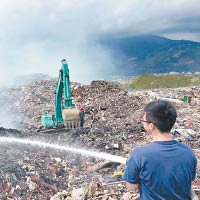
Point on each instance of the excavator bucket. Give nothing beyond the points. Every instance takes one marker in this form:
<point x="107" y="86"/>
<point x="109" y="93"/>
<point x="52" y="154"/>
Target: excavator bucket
<point x="71" y="118"/>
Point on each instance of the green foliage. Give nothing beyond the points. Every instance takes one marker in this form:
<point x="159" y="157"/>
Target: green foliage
<point x="150" y="81"/>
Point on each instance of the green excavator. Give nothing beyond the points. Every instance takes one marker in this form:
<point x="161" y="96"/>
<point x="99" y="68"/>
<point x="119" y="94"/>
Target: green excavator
<point x="65" y="113"/>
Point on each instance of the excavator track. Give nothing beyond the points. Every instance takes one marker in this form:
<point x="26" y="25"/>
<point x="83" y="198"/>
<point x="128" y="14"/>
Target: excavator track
<point x="63" y="130"/>
<point x="53" y="130"/>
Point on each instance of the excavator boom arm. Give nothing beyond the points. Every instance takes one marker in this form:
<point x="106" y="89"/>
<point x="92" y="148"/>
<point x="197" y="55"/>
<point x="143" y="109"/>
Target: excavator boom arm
<point x="66" y="84"/>
<point x="65" y="114"/>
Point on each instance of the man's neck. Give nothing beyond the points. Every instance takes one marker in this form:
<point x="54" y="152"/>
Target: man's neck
<point x="158" y="136"/>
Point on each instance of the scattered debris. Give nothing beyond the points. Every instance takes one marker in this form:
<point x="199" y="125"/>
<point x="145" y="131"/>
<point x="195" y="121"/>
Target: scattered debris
<point x="28" y="172"/>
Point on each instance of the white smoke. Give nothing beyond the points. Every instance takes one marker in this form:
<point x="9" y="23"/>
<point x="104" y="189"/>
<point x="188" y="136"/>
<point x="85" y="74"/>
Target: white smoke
<point x="36" y="35"/>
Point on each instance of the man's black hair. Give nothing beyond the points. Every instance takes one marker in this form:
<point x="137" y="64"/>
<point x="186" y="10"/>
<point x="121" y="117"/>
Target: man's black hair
<point x="162" y="114"/>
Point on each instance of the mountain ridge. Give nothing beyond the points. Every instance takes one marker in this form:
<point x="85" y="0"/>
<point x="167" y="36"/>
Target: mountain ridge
<point x="153" y="54"/>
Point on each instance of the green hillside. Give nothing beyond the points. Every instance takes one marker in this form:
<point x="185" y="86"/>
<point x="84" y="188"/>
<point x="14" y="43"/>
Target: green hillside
<point x="150" y="81"/>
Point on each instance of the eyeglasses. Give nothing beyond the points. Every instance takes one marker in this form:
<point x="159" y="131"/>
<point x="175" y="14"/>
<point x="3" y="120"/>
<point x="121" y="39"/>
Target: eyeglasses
<point x="141" y="120"/>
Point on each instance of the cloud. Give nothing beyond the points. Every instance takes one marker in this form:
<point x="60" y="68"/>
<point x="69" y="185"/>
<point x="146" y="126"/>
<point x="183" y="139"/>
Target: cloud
<point x="43" y="20"/>
<point x="36" y="35"/>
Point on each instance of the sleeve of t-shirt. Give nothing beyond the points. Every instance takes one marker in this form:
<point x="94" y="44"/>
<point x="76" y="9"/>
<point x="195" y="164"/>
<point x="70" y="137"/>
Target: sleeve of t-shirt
<point x="194" y="169"/>
<point x="131" y="174"/>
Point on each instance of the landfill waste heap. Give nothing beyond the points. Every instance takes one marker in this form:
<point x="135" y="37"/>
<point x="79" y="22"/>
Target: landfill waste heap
<point x="34" y="173"/>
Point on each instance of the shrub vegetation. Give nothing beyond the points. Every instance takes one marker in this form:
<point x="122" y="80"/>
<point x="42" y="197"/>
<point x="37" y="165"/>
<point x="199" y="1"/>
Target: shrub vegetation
<point x="150" y="81"/>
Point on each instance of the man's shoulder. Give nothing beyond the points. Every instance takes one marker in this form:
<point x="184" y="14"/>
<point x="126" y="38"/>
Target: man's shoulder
<point x="154" y="147"/>
<point x="142" y="149"/>
<point x="145" y="147"/>
<point x="185" y="147"/>
<point x="158" y="144"/>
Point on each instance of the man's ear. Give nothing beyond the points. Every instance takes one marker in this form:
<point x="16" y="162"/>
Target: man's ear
<point x="152" y="126"/>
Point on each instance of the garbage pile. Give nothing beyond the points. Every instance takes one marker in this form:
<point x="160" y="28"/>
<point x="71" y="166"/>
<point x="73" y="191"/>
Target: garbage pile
<point x="112" y="106"/>
<point x="187" y="127"/>
<point x="29" y="172"/>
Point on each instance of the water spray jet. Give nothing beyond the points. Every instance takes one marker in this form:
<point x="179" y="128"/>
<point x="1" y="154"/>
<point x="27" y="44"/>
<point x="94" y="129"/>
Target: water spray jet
<point x="101" y="155"/>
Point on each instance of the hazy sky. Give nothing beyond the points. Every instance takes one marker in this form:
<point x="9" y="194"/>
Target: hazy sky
<point x="36" y="35"/>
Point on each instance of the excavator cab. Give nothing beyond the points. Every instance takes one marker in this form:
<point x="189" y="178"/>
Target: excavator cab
<point x="66" y="113"/>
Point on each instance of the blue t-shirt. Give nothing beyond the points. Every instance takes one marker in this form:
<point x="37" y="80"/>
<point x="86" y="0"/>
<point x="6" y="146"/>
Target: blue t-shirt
<point x="164" y="170"/>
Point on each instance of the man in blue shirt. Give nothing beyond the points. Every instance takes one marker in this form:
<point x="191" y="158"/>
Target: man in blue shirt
<point x="165" y="168"/>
